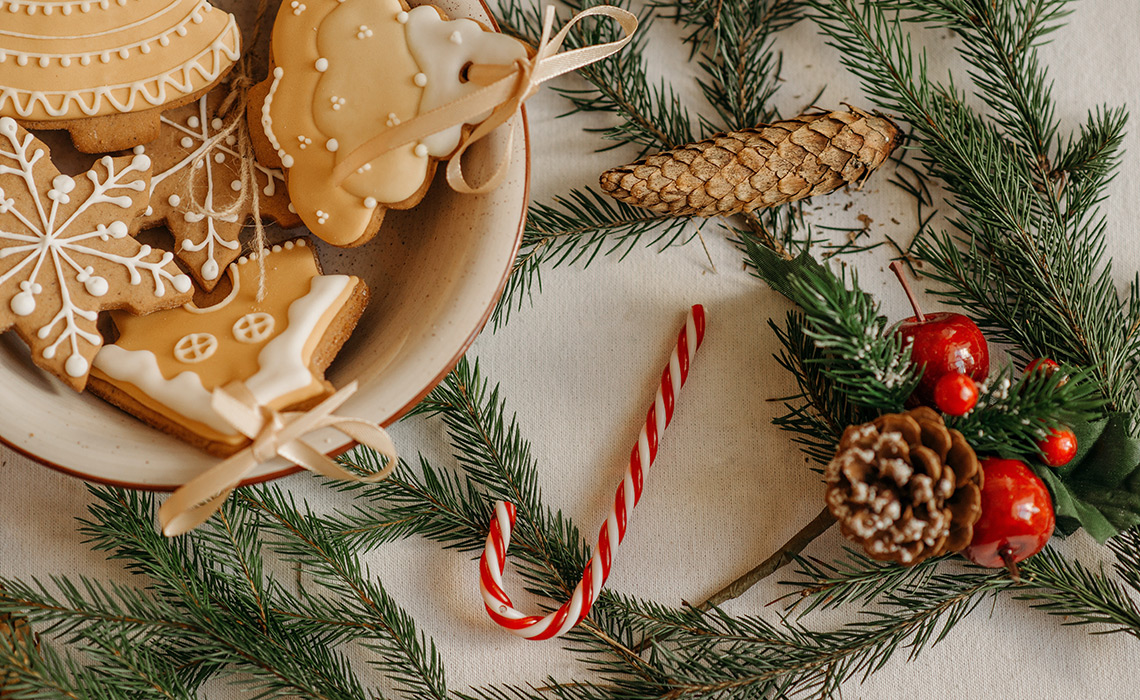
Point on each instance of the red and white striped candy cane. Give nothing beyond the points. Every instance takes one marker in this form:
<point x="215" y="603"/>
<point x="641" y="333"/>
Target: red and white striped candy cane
<point x="491" y="565"/>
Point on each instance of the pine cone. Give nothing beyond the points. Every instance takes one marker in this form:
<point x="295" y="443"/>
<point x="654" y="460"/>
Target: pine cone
<point x="905" y="487"/>
<point x="16" y="630"/>
<point x="760" y="167"/>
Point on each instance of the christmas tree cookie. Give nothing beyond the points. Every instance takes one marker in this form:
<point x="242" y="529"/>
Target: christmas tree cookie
<point x="66" y="252"/>
<point x="164" y="367"/>
<point x="192" y="167"/>
<point x="104" y="69"/>
<point x="344" y="71"/>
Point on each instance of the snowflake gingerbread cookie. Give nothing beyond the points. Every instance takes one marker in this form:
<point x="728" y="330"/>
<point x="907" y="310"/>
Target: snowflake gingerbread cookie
<point x="66" y="252"/>
<point x="164" y="367"/>
<point x="345" y="70"/>
<point x="192" y="167"/>
<point x="104" y="69"/>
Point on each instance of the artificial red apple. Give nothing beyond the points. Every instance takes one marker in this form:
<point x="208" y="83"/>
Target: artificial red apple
<point x="941" y="343"/>
<point x="1017" y="515"/>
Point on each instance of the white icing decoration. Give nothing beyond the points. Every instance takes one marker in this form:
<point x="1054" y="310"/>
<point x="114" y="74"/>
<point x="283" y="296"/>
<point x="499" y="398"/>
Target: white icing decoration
<point x="402" y="17"/>
<point x="322" y="217"/>
<point x="50" y="246"/>
<point x="199" y="70"/>
<point x="282" y="368"/>
<point x="393" y="120"/>
<point x="253" y="327"/>
<point x="421" y="150"/>
<point x="267" y="118"/>
<point x="420" y="79"/>
<point x="370" y="202"/>
<point x="332" y="145"/>
<point x="321" y="65"/>
<point x="195" y="347"/>
<point x="298" y="7"/>
<point x="202" y="135"/>
<point x="184" y="394"/>
<point x="337" y="102"/>
<point x="432" y="42"/>
<point x="363" y="32"/>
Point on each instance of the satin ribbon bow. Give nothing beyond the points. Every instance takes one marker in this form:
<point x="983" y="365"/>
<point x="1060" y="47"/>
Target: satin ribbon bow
<point x="274" y="434"/>
<point x="502" y="98"/>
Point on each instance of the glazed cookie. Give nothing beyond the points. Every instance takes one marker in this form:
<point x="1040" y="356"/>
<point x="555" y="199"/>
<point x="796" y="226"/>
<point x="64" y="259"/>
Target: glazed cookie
<point x="164" y="367"/>
<point x="104" y="69"/>
<point x="66" y="252"/>
<point x="345" y="70"/>
<point x="186" y="154"/>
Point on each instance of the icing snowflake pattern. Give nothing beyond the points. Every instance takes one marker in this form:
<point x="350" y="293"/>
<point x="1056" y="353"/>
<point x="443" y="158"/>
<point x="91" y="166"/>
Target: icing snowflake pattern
<point x="206" y="244"/>
<point x="66" y="252"/>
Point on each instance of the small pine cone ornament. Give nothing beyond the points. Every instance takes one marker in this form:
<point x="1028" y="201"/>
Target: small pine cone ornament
<point x="905" y="486"/>
<point x="765" y="166"/>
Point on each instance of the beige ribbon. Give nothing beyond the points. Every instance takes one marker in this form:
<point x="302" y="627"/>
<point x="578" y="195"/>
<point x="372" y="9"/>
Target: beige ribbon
<point x="502" y="98"/>
<point x="274" y="434"/>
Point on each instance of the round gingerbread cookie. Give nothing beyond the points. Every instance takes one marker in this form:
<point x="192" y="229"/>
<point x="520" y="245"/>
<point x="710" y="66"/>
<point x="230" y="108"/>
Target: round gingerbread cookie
<point x="105" y="69"/>
<point x="342" y="72"/>
<point x="193" y="167"/>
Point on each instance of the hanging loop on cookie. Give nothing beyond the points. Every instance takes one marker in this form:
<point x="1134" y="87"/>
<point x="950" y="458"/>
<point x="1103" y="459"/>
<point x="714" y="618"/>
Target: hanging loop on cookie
<point x="505" y="90"/>
<point x="274" y="434"/>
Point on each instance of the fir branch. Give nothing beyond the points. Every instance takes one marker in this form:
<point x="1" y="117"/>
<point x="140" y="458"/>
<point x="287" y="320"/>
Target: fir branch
<point x="869" y="365"/>
<point x="1012" y="417"/>
<point x="734" y="39"/>
<point x="1026" y="260"/>
<point x="652" y="115"/>
<point x="574" y="230"/>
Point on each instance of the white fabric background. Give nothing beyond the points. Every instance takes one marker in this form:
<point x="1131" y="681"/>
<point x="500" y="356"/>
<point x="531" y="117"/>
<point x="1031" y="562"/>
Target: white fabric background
<point x="580" y="367"/>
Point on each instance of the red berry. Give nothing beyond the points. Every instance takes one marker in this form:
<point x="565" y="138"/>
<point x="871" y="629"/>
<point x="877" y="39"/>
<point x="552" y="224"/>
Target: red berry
<point x="1017" y="515"/>
<point x="955" y="394"/>
<point x="1044" y="364"/>
<point x="945" y="343"/>
<point x="942" y="344"/>
<point x="1059" y="448"/>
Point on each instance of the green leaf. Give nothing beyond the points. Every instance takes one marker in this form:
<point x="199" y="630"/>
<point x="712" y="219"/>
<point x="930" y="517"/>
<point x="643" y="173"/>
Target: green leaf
<point x="778" y="271"/>
<point x="1100" y="489"/>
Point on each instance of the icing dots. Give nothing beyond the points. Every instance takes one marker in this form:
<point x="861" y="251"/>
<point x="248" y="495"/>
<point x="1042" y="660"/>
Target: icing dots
<point x="67" y="238"/>
<point x="171" y="361"/>
<point x="190" y="159"/>
<point x="154" y="54"/>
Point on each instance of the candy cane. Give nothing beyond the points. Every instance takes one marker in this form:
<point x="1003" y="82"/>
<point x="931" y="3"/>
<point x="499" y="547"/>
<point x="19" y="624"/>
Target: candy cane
<point x="493" y="561"/>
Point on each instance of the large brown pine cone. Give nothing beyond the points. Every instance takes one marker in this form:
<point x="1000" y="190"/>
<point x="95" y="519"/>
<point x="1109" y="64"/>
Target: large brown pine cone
<point x="760" y="167"/>
<point x="905" y="486"/>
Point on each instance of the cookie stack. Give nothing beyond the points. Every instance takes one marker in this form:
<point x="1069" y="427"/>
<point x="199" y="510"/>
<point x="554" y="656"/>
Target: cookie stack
<point x="144" y="83"/>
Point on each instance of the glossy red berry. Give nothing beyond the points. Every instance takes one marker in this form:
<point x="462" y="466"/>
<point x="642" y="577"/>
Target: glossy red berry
<point x="1017" y="515"/>
<point x="1059" y="448"/>
<point x="942" y="343"/>
<point x="1044" y="364"/>
<point x="955" y="394"/>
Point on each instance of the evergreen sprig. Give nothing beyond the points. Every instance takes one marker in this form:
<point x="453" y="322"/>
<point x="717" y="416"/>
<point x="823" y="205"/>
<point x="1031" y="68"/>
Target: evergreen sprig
<point x="1014" y="415"/>
<point x="1026" y="256"/>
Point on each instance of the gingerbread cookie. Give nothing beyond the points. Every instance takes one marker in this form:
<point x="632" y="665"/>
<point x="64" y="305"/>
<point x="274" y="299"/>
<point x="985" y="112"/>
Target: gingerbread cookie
<point x="164" y="367"/>
<point x="344" y="70"/>
<point x="66" y="252"/>
<point x="187" y="154"/>
<point x="104" y="69"/>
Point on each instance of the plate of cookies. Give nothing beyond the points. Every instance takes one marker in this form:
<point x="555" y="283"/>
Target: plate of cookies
<point x="173" y="221"/>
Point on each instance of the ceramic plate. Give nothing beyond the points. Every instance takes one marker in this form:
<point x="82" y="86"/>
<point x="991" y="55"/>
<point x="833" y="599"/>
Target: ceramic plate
<point x="435" y="273"/>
